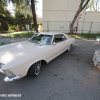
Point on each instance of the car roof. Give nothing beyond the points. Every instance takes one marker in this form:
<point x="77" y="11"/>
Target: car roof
<point x="51" y="33"/>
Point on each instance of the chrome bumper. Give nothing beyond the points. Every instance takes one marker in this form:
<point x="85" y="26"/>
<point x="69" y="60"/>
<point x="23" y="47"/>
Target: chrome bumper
<point x="7" y="79"/>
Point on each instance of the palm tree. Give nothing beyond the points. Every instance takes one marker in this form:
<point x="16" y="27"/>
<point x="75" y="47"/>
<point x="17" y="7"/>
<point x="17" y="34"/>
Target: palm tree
<point x="34" y="15"/>
<point x="25" y="7"/>
<point x="3" y="14"/>
<point x="3" y="10"/>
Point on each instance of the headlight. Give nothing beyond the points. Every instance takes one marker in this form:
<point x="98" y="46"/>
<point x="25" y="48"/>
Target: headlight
<point x="9" y="73"/>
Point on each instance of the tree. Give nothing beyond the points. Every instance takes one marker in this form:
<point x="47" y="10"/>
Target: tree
<point x="4" y="25"/>
<point x="93" y="5"/>
<point x="24" y="6"/>
<point x="3" y="14"/>
<point x="3" y="9"/>
<point x="82" y="5"/>
<point x="90" y="5"/>
<point x="34" y="15"/>
<point x="21" y="20"/>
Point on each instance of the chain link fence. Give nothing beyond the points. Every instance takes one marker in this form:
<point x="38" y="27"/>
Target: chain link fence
<point x="79" y="27"/>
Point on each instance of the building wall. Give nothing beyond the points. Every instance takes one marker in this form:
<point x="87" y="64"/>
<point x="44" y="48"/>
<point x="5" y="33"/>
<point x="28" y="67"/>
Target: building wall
<point x="58" y="14"/>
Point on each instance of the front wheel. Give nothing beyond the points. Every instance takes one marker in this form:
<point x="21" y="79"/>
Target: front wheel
<point x="34" y="70"/>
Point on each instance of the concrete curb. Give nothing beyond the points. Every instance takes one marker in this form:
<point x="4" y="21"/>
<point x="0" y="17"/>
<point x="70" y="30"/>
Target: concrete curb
<point x="96" y="59"/>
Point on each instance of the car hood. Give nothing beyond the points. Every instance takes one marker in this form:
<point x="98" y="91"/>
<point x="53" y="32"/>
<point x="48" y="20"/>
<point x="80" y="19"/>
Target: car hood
<point x="15" y="50"/>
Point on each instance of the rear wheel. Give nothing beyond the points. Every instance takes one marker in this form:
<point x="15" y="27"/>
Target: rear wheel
<point x="34" y="70"/>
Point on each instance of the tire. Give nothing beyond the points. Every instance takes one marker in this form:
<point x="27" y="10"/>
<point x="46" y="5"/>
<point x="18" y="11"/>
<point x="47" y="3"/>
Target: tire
<point x="34" y="70"/>
<point x="69" y="48"/>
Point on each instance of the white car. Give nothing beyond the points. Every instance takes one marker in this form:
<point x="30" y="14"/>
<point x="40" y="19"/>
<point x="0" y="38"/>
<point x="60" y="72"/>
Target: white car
<point x="25" y="58"/>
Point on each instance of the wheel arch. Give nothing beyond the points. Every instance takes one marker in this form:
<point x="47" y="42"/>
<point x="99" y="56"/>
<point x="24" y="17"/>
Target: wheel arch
<point x="69" y="46"/>
<point x="42" y="62"/>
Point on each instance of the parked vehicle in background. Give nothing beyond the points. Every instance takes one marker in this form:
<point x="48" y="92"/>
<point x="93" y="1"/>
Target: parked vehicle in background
<point x="98" y="38"/>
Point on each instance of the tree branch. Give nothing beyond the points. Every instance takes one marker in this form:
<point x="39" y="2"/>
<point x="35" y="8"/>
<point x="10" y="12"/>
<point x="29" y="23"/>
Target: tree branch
<point x="85" y="4"/>
<point x="81" y="3"/>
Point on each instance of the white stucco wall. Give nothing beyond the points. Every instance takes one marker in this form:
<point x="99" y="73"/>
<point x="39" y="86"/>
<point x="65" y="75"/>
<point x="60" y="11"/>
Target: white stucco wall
<point x="58" y="14"/>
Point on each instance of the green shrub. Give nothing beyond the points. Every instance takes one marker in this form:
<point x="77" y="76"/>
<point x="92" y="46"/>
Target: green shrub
<point x="12" y="27"/>
<point x="1" y="27"/>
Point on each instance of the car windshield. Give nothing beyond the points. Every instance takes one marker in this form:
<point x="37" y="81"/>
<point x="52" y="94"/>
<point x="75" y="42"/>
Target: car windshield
<point x="41" y="39"/>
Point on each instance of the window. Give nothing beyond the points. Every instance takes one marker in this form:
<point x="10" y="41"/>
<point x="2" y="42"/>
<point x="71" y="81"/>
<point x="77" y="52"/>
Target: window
<point x="59" y="38"/>
<point x="42" y="39"/>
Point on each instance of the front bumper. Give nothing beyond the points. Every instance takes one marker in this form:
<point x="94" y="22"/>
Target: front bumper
<point x="7" y="79"/>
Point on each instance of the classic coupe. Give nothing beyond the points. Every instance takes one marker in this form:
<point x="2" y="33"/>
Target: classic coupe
<point x="25" y="58"/>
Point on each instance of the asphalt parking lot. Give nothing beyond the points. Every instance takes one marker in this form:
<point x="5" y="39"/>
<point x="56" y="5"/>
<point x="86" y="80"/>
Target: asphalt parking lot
<point x="71" y="76"/>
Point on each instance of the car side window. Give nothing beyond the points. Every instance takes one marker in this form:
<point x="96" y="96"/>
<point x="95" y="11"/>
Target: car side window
<point x="59" y="38"/>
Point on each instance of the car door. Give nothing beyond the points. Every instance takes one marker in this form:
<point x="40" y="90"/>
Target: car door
<point x="59" y="44"/>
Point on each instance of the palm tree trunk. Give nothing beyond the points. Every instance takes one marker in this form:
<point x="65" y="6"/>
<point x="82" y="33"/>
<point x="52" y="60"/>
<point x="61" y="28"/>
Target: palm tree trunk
<point x="34" y="16"/>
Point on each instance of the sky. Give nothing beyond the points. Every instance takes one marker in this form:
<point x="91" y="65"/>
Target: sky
<point x="38" y="11"/>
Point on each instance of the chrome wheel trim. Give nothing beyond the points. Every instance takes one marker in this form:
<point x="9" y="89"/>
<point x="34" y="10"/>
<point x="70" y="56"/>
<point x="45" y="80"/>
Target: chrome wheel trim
<point x="37" y="68"/>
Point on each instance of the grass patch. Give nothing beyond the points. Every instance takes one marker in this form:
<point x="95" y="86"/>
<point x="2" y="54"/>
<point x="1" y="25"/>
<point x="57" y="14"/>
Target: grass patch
<point x="79" y="36"/>
<point x="23" y="34"/>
